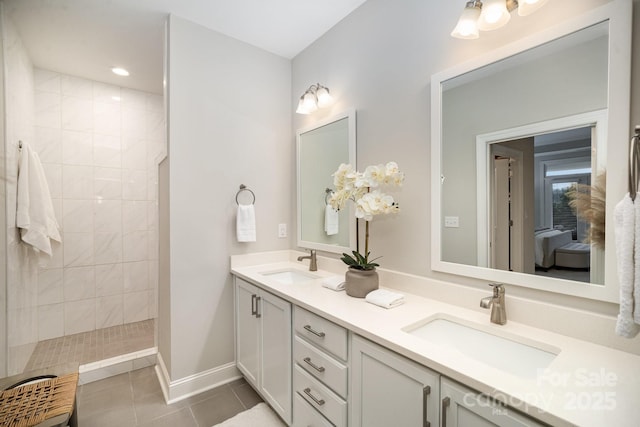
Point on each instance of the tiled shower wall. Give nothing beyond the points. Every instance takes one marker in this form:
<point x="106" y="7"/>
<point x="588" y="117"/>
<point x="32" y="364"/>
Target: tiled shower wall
<point x="99" y="145"/>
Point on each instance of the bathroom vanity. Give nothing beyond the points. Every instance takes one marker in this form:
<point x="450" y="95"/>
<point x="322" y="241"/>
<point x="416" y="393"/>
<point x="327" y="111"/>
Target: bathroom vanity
<point x="324" y="359"/>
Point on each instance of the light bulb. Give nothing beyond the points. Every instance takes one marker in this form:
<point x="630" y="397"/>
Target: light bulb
<point x="527" y="7"/>
<point x="324" y="97"/>
<point x="309" y="102"/>
<point x="467" y="26"/>
<point x="494" y="15"/>
<point x="301" y="109"/>
<point x="120" y="71"/>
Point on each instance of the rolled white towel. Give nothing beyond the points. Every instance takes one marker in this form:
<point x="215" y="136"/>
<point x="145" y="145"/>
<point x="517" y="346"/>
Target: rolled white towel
<point x="624" y="227"/>
<point x="335" y="283"/>
<point x="385" y="298"/>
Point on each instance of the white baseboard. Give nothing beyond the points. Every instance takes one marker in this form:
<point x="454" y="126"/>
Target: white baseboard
<point x="182" y="388"/>
<point x="106" y="368"/>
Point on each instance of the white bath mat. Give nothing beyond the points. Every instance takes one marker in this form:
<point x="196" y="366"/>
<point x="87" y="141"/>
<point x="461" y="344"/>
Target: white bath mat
<point x="260" y="415"/>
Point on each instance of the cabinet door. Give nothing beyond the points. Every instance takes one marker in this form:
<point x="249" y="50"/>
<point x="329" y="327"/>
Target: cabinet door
<point x="390" y="390"/>
<point x="276" y="387"/>
<point x="247" y="331"/>
<point x="463" y="407"/>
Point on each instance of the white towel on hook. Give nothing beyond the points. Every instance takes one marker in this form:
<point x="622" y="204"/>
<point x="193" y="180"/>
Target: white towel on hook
<point x="385" y="298"/>
<point x="636" y="260"/>
<point x="625" y="221"/>
<point x="246" y="223"/>
<point x="331" y="221"/>
<point x="35" y="216"/>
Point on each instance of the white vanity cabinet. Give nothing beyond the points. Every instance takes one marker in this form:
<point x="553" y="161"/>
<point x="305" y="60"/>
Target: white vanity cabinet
<point x="263" y="344"/>
<point x="320" y="377"/>
<point x="463" y="407"/>
<point x="390" y="390"/>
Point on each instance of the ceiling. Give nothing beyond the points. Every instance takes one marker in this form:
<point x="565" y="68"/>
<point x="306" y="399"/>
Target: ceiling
<point x="87" y="37"/>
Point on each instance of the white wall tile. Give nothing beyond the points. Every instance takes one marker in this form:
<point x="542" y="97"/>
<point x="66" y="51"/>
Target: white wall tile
<point x="107" y="183"/>
<point x="108" y="215"/>
<point x="106" y="93"/>
<point x="53" y="172"/>
<point x="106" y="118"/>
<point x="134" y="216"/>
<point x="76" y="87"/>
<point x="48" y="144"/>
<point x="134" y="122"/>
<point x="152" y="244"/>
<point x="155" y="126"/>
<point x="79" y="316"/>
<point x="153" y="303"/>
<point x="77" y="148"/>
<point x="107" y="151"/>
<point x="134" y="184"/>
<point x="77" y="215"/>
<point x="135" y="246"/>
<point x="77" y="182"/>
<point x="108" y="248"/>
<point x="136" y="306"/>
<point x="79" y="283"/>
<point x="109" y="279"/>
<point x="134" y="153"/>
<point x="78" y="249"/>
<point x="155" y="102"/>
<point x="109" y="311"/>
<point x="134" y="98"/>
<point x="50" y="286"/>
<point x="50" y="321"/>
<point x="77" y="114"/>
<point x="136" y="276"/>
<point x="48" y="110"/>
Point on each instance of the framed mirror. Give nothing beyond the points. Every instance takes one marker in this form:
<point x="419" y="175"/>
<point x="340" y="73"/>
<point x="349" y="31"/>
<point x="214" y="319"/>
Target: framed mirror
<point x="512" y="134"/>
<point x="321" y="148"/>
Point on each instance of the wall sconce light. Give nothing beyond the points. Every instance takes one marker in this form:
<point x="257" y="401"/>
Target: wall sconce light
<point x="487" y="15"/>
<point x="317" y="96"/>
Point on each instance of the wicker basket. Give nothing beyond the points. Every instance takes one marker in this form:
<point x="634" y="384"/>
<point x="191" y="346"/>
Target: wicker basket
<point x="29" y="405"/>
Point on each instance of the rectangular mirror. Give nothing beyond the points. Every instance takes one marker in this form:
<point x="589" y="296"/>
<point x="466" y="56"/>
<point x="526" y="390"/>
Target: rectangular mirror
<point x="512" y="134"/>
<point x="321" y="148"/>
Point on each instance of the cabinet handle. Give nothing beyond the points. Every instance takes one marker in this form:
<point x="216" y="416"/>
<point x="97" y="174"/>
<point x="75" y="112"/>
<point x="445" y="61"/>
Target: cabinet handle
<point x="307" y="391"/>
<point x="426" y="391"/>
<point x="316" y="333"/>
<point x="445" y="404"/>
<point x="254" y="309"/>
<point x="258" y="314"/>
<point x="308" y="361"/>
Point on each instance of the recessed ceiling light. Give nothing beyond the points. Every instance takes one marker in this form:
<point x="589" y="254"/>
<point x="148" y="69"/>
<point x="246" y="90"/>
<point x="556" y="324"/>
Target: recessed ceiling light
<point x="120" y="71"/>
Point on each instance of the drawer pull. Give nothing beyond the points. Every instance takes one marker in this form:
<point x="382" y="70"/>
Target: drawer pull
<point x="258" y="314"/>
<point x="308" y="361"/>
<point x="426" y="391"/>
<point x="307" y="391"/>
<point x="254" y="306"/>
<point x="445" y="404"/>
<point x="316" y="333"/>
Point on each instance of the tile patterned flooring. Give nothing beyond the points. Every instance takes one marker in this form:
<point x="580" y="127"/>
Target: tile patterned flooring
<point x="93" y="346"/>
<point x="134" y="399"/>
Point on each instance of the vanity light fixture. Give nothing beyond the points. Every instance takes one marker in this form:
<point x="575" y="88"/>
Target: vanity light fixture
<point x="487" y="15"/>
<point x="317" y="96"/>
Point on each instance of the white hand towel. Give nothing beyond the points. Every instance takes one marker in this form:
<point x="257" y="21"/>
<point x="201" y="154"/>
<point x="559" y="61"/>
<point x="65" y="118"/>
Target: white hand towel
<point x="246" y="223"/>
<point x="636" y="261"/>
<point x="335" y="283"/>
<point x="331" y="221"/>
<point x="624" y="222"/>
<point x="35" y="216"/>
<point x="385" y="298"/>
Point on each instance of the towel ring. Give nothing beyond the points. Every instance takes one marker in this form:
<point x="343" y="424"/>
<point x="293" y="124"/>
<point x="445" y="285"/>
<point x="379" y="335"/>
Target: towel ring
<point x="328" y="192"/>
<point x="634" y="163"/>
<point x="244" y="188"/>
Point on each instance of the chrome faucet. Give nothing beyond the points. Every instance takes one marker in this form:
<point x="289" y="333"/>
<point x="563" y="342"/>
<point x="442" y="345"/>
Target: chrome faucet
<point x="496" y="302"/>
<point x="313" y="262"/>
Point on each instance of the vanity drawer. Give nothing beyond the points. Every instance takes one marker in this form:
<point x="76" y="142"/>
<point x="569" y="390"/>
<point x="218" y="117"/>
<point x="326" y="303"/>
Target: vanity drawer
<point x="322" y="366"/>
<point x="305" y="416"/>
<point x="321" y="332"/>
<point x="320" y="397"/>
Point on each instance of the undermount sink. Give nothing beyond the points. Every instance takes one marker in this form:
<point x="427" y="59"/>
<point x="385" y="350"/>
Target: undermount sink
<point x="290" y="277"/>
<point x="516" y="355"/>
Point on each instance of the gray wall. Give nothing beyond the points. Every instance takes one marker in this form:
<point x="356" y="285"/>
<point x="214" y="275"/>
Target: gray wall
<point x="379" y="60"/>
<point x="229" y="124"/>
<point x="3" y="219"/>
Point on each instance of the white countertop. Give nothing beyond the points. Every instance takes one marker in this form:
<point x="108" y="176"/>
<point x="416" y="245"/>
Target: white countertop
<point x="585" y="385"/>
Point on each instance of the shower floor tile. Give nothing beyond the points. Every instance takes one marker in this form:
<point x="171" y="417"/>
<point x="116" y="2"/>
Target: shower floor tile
<point x="93" y="346"/>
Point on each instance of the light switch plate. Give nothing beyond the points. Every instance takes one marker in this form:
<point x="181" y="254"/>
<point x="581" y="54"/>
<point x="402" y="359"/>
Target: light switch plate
<point x="282" y="230"/>
<point x="451" y="222"/>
